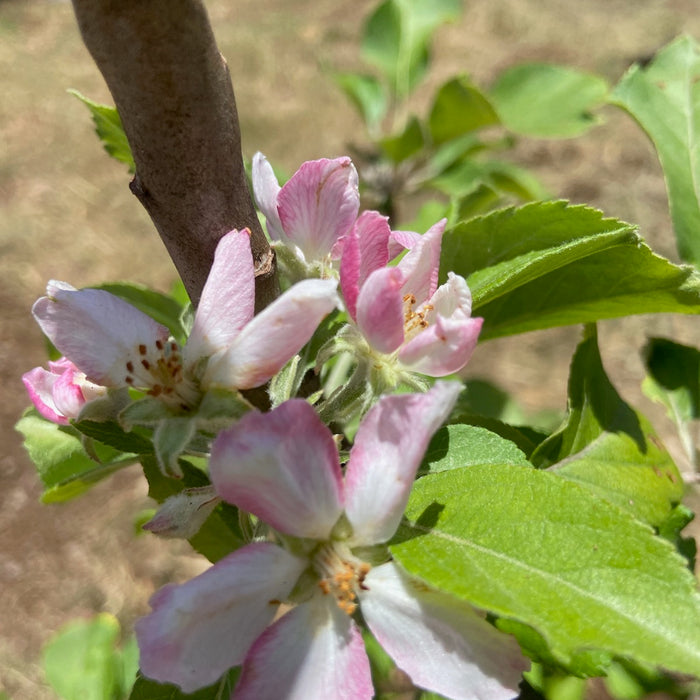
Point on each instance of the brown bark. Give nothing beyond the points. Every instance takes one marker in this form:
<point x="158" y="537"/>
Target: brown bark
<point x="174" y="95"/>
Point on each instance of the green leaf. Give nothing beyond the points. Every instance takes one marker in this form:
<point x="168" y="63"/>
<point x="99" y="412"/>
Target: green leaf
<point x="536" y="549"/>
<point x="82" y="661"/>
<point x="108" y="126"/>
<point x="406" y="144"/>
<point x="397" y="35"/>
<point x="457" y="446"/>
<point x="547" y="101"/>
<point x="673" y="379"/>
<point x="146" y="689"/>
<point x="459" y="108"/>
<point x="366" y="94"/>
<point x="664" y="98"/>
<point x="160" y="307"/>
<point x="549" y="264"/>
<point x="607" y="447"/>
<point x="111" y="433"/>
<point x="61" y="459"/>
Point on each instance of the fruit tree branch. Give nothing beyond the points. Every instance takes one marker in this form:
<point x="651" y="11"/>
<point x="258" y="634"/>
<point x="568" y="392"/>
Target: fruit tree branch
<point x="173" y="92"/>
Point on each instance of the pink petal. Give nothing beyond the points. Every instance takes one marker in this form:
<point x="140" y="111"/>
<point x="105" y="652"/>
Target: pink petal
<point x="319" y="204"/>
<point x="380" y="312"/>
<point x="421" y="265"/>
<point x="443" y="348"/>
<point x="98" y="331"/>
<point x="68" y="394"/>
<point x="443" y="645"/>
<point x="388" y="449"/>
<point x="314" y="651"/>
<point x="283" y="467"/>
<point x="200" y="629"/>
<point x="365" y="249"/>
<point x="402" y="240"/>
<point x="274" y="336"/>
<point x="265" y="189"/>
<point x="228" y="298"/>
<point x="39" y="384"/>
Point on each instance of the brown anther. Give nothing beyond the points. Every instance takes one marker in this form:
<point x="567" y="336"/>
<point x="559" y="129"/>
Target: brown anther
<point x="159" y="344"/>
<point x="130" y="366"/>
<point x="157" y="390"/>
<point x="146" y="364"/>
<point x="142" y="349"/>
<point x="129" y="380"/>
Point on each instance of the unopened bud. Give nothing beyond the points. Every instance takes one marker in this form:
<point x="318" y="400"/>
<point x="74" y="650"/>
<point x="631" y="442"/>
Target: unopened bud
<point x="184" y="513"/>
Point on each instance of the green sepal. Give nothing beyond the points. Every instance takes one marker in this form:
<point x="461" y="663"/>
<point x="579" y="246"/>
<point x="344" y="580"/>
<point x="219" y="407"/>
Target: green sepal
<point x="170" y="439"/>
<point x="147" y="412"/>
<point x="219" y="408"/>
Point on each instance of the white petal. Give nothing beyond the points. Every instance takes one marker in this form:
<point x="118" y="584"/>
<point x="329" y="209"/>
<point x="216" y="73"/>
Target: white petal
<point x="314" y="652"/>
<point x="200" y="629"/>
<point x="388" y="449"/>
<point x="99" y="332"/>
<point x="228" y="298"/>
<point x="265" y="189"/>
<point x="443" y="645"/>
<point x="283" y="467"/>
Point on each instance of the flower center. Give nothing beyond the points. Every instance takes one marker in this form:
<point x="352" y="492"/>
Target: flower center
<point x="341" y="574"/>
<point x="414" y="320"/>
<point x="161" y="373"/>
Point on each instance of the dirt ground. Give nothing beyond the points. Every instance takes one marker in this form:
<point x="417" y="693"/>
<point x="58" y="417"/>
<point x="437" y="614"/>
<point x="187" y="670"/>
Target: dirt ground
<point x="66" y="213"/>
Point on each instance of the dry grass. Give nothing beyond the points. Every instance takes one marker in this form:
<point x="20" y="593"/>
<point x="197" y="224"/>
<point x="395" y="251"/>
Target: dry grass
<point x="67" y="213"/>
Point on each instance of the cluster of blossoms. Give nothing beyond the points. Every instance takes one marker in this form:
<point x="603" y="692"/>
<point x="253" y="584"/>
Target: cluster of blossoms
<point x="286" y="606"/>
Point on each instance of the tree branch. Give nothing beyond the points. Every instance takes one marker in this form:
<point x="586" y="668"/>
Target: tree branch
<point x="174" y="95"/>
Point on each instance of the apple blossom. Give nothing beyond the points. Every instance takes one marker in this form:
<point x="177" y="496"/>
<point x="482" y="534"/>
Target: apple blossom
<point x="404" y="322"/>
<point x="328" y="557"/>
<point x="311" y="213"/>
<point x="114" y="344"/>
<point x="60" y="392"/>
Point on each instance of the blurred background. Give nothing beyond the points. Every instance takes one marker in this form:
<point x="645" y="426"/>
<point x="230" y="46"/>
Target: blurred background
<point x="66" y="213"/>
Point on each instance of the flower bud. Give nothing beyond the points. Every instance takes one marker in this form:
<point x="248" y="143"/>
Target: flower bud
<point x="184" y="513"/>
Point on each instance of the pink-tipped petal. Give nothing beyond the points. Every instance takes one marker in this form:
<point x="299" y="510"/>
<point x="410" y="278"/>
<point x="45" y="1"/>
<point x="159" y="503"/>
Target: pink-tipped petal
<point x="319" y="204"/>
<point x="96" y="330"/>
<point x="265" y="189"/>
<point x="283" y="467"/>
<point x="443" y="645"/>
<point x="380" y="310"/>
<point x="68" y="393"/>
<point x="39" y="384"/>
<point x="274" y="336"/>
<point x="228" y="298"/>
<point x="200" y="629"/>
<point x="443" y="348"/>
<point x="350" y="262"/>
<point x="388" y="449"/>
<point x="421" y="265"/>
<point x="402" y="240"/>
<point x="313" y="652"/>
